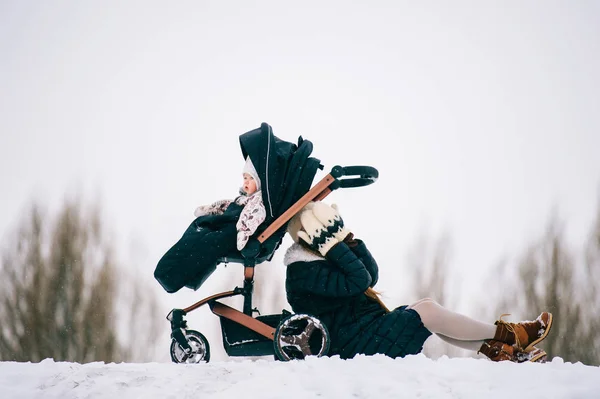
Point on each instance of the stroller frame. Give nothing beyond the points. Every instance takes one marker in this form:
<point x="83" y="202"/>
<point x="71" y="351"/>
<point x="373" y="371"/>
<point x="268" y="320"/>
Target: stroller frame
<point x="187" y="345"/>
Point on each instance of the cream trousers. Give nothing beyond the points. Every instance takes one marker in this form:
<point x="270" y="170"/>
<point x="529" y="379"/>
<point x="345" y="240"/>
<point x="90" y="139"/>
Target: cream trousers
<point x="452" y="327"/>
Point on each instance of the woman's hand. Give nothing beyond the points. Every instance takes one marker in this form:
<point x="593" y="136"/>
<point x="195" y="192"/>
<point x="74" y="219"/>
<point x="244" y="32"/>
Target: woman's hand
<point x="322" y="227"/>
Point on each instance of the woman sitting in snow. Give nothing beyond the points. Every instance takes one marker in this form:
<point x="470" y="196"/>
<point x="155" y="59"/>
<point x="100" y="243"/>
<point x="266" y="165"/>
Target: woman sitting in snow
<point x="330" y="275"/>
<point x="219" y="230"/>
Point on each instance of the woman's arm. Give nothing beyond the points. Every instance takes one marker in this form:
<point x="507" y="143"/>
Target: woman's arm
<point x="340" y="274"/>
<point x="360" y="250"/>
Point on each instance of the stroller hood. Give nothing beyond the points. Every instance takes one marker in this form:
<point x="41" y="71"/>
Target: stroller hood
<point x="285" y="170"/>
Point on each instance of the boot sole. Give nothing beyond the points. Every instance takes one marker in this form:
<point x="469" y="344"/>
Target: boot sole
<point x="539" y="358"/>
<point x="530" y="347"/>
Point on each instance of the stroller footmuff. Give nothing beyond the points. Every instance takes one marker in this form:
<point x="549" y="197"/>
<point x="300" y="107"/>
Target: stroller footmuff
<point x="287" y="171"/>
<point x="196" y="255"/>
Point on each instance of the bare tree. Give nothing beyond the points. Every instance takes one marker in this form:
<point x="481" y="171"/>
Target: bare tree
<point x="140" y="319"/>
<point x="549" y="279"/>
<point x="429" y="265"/>
<point x="58" y="297"/>
<point x="589" y="341"/>
<point x="429" y="268"/>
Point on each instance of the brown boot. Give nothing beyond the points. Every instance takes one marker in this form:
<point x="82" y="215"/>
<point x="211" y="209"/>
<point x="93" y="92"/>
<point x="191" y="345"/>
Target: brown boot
<point x="524" y="335"/>
<point x="499" y="351"/>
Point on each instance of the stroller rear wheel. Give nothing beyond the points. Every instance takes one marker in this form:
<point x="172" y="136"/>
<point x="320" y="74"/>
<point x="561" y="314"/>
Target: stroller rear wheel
<point x="300" y="335"/>
<point x="200" y="349"/>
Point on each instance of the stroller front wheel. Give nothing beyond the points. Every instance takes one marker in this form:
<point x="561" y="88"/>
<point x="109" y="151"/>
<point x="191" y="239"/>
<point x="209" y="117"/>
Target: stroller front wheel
<point x="200" y="350"/>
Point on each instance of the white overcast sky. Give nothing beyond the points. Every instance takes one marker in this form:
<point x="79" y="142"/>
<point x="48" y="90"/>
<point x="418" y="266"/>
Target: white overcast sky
<point x="481" y="116"/>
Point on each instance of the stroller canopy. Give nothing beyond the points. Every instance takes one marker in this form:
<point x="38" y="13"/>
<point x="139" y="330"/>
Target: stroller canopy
<point x="286" y="170"/>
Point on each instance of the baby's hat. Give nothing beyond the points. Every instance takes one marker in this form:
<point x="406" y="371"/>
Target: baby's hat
<point x="249" y="168"/>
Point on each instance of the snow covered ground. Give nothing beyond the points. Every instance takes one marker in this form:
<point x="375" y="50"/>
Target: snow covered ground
<point x="362" y="377"/>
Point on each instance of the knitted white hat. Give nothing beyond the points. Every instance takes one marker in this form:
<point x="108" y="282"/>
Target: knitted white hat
<point x="249" y="168"/>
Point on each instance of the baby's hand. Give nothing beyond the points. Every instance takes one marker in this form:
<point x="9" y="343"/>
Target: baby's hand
<point x="216" y="208"/>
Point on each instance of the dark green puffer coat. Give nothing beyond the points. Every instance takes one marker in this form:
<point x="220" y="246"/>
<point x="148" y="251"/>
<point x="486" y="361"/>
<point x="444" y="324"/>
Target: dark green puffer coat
<point x="332" y="289"/>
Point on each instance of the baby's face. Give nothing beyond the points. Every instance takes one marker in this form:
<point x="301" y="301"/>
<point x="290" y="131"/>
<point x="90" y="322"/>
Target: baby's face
<point x="249" y="186"/>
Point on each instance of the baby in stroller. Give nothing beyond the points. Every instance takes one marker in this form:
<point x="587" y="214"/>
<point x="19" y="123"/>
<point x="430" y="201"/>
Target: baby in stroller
<point x="253" y="212"/>
<point x="219" y="229"/>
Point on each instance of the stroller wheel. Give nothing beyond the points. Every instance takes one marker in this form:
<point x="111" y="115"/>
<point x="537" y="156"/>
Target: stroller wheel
<point x="300" y="335"/>
<point x="200" y="349"/>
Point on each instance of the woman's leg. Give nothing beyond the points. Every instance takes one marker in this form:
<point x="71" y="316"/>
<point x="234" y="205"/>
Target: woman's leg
<point x="418" y="302"/>
<point x="467" y="333"/>
<point x="442" y="321"/>
<point x="468" y="345"/>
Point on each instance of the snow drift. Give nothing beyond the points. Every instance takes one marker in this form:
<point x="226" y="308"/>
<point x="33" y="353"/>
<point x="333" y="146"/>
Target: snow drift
<point x="362" y="377"/>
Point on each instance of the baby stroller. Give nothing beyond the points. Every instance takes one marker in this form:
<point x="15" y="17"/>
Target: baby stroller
<point x="287" y="171"/>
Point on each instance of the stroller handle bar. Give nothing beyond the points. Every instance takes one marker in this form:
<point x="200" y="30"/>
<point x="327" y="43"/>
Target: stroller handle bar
<point x="364" y="175"/>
